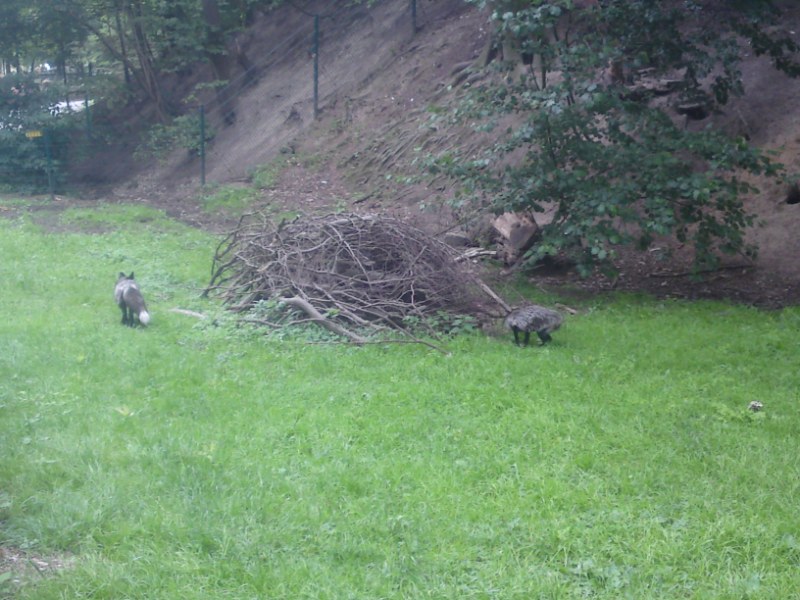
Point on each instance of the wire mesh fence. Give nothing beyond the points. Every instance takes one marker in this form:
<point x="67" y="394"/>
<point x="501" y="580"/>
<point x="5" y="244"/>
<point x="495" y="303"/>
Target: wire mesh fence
<point x="41" y="134"/>
<point x="327" y="37"/>
<point x="39" y="156"/>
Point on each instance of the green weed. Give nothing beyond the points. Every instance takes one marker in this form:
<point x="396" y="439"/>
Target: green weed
<point x="183" y="132"/>
<point x="229" y="199"/>
<point x="266" y="176"/>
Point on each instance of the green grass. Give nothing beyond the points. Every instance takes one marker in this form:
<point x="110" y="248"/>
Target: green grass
<point x="266" y="176"/>
<point x="193" y="459"/>
<point x="228" y="199"/>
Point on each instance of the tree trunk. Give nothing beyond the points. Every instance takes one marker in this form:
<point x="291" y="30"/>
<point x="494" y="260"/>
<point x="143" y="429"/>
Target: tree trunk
<point x="122" y="46"/>
<point x="144" y="54"/>
<point x="220" y="59"/>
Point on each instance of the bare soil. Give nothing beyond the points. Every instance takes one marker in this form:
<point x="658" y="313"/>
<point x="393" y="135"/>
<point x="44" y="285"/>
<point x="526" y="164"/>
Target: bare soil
<point x="23" y="565"/>
<point x="377" y="82"/>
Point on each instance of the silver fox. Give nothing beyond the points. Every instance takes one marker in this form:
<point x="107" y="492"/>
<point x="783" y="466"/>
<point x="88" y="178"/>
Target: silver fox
<point x="130" y="301"/>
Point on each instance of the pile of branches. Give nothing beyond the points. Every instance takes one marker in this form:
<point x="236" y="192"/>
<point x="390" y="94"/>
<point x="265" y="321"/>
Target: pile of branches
<point x="347" y="272"/>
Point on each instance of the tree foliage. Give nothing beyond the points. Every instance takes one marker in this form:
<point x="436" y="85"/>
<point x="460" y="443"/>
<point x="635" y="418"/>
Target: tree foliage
<point x="34" y="134"/>
<point x="139" y="40"/>
<point x="132" y="43"/>
<point x="591" y="143"/>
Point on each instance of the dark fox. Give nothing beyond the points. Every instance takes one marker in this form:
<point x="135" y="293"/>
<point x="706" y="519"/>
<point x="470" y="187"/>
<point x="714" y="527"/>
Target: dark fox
<point x="130" y="301"/>
<point x="543" y="321"/>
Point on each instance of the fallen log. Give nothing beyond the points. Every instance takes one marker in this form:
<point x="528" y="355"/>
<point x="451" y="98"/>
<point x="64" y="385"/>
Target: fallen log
<point x="318" y="318"/>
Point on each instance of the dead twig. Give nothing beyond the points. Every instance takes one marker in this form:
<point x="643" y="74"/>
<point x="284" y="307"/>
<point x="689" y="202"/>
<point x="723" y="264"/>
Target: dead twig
<point x="475" y="253"/>
<point x="188" y="313"/>
<point x="666" y="275"/>
<point x="492" y="294"/>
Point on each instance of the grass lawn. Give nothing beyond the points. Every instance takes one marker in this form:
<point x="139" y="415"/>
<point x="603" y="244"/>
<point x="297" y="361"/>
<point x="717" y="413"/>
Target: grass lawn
<point x="194" y="459"/>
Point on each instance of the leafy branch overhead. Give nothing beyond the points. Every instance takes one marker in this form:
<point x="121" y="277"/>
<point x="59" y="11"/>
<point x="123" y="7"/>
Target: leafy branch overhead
<point x="598" y="95"/>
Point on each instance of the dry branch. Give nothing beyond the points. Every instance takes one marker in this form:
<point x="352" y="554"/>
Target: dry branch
<point x="188" y="313"/>
<point x="318" y="318"/>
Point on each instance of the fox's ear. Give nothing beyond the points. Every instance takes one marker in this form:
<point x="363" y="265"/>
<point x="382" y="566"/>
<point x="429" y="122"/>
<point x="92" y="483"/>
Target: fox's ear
<point x="131" y="275"/>
<point x="121" y="275"/>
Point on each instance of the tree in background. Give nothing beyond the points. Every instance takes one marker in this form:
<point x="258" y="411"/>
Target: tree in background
<point x="12" y="34"/>
<point x="592" y="144"/>
<point x="35" y="31"/>
<point x="140" y="40"/>
<point x="135" y="46"/>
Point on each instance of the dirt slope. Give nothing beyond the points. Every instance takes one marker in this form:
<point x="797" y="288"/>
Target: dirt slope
<point x="377" y="81"/>
<point x="373" y="70"/>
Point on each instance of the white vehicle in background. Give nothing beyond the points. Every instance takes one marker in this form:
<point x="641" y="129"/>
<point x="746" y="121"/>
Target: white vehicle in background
<point x="72" y="106"/>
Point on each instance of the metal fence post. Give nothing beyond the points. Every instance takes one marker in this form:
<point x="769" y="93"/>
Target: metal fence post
<point x="88" y="115"/>
<point x="202" y="145"/>
<point x="48" y="150"/>
<point x="316" y="66"/>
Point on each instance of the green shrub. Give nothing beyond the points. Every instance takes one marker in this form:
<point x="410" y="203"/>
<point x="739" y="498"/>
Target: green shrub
<point x="229" y="199"/>
<point x="183" y="132"/>
<point x="265" y="177"/>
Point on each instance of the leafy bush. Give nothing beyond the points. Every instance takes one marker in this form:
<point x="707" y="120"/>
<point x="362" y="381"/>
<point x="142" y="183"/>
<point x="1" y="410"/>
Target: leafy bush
<point x="183" y="132"/>
<point x="34" y="137"/>
<point x="589" y="144"/>
<point x="265" y="177"/>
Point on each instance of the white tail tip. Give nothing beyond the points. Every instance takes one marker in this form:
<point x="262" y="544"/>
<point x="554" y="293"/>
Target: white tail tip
<point x="144" y="317"/>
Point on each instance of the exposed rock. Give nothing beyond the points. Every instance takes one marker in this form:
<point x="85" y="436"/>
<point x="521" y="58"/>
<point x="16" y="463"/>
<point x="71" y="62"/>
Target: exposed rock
<point x="519" y="232"/>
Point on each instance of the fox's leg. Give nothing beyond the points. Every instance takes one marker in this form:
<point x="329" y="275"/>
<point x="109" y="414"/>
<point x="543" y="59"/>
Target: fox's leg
<point x="124" y="314"/>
